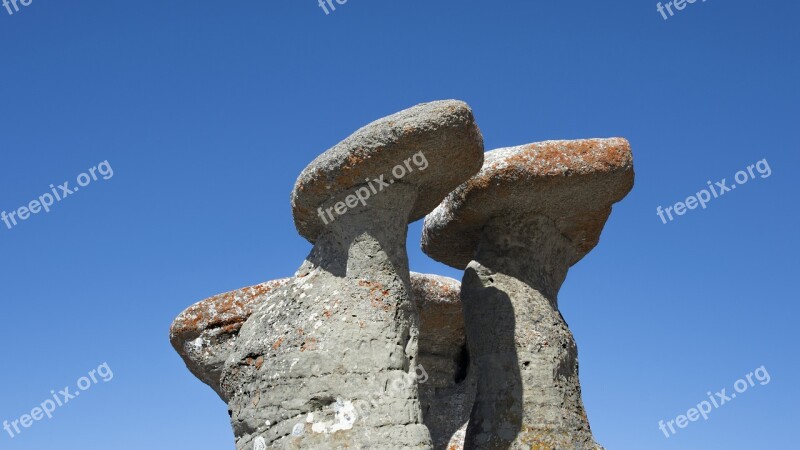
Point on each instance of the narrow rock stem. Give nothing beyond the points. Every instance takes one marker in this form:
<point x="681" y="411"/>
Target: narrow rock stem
<point x="525" y="356"/>
<point x="337" y="347"/>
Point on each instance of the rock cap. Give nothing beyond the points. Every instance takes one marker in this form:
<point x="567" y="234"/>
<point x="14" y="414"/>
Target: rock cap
<point x="574" y="183"/>
<point x="443" y="132"/>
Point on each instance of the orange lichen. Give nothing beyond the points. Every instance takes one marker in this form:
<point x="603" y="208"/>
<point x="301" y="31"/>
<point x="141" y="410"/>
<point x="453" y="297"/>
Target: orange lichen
<point x="379" y="296"/>
<point x="227" y="311"/>
<point x="309" y="344"/>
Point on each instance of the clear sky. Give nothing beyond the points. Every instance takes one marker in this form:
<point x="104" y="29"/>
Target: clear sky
<point x="207" y="111"/>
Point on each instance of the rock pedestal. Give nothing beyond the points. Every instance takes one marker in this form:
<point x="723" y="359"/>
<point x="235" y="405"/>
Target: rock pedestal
<point x="204" y="335"/>
<point x="529" y="394"/>
<point x="343" y="332"/>
<point x="330" y="361"/>
<point x="516" y="227"/>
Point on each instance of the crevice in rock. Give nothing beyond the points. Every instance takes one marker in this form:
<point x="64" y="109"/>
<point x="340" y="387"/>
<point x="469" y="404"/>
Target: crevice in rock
<point x="462" y="364"/>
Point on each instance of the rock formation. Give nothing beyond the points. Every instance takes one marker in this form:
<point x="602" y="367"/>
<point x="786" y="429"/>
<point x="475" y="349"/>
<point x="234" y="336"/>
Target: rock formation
<point x="204" y="335"/>
<point x="344" y="329"/>
<point x="205" y="332"/>
<point x="517" y="227"/>
<point x="354" y="351"/>
<point x="449" y="391"/>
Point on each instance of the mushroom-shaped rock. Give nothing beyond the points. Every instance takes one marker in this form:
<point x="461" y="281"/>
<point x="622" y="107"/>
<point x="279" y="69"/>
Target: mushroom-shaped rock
<point x="395" y="149"/>
<point x="344" y="332"/>
<point x="204" y="334"/>
<point x="447" y="387"/>
<point x="517" y="226"/>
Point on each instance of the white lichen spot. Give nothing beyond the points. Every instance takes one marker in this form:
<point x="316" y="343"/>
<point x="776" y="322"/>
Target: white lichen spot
<point x="298" y="429"/>
<point x="260" y="444"/>
<point x="344" y="418"/>
<point x="198" y="344"/>
<point x="212" y="311"/>
<point x="318" y="324"/>
<point x="310" y="418"/>
<point x="268" y="424"/>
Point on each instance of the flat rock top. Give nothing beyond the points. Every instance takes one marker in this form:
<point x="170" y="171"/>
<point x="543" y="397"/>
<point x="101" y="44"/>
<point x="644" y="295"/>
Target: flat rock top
<point x="444" y="131"/>
<point x="438" y="300"/>
<point x="429" y="289"/>
<point x="572" y="182"/>
<point x="226" y="311"/>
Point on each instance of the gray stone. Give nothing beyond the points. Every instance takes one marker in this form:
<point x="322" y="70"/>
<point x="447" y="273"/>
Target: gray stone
<point x="517" y="227"/>
<point x="449" y="388"/>
<point x="331" y="360"/>
<point x="204" y="335"/>
<point x="444" y="131"/>
<point x="573" y="182"/>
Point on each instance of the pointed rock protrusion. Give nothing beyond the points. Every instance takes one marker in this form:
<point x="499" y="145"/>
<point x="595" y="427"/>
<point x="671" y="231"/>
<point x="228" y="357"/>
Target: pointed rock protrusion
<point x="204" y="334"/>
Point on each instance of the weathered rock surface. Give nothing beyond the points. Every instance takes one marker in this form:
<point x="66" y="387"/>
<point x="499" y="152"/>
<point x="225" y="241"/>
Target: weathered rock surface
<point x="517" y="227"/>
<point x="309" y="364"/>
<point x="572" y="182"/>
<point x="355" y="352"/>
<point x="449" y="391"/>
<point x="204" y="334"/>
<point x="444" y="131"/>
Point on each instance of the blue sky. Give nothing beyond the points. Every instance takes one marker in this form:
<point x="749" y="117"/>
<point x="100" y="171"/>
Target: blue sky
<point x="207" y="112"/>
